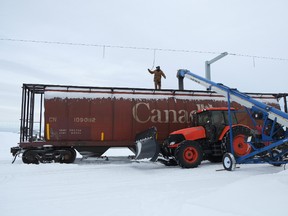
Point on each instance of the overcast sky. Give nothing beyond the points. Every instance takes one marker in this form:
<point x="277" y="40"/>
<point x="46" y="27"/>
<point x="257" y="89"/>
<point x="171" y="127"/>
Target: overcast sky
<point x="244" y="27"/>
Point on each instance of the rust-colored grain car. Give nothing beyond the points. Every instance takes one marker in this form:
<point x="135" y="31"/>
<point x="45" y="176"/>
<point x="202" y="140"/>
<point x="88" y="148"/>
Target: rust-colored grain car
<point x="57" y="120"/>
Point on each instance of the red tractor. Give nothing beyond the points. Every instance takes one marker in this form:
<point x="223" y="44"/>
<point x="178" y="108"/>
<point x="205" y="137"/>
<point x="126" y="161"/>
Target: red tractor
<point x="208" y="139"/>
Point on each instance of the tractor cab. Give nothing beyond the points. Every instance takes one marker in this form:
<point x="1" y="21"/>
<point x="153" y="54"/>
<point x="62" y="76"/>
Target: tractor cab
<point x="213" y="116"/>
<point x="214" y="120"/>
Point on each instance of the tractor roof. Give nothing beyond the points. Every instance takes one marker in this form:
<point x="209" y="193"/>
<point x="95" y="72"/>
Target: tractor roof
<point x="215" y="109"/>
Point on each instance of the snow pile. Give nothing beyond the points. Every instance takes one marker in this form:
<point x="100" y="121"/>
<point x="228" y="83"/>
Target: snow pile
<point x="123" y="187"/>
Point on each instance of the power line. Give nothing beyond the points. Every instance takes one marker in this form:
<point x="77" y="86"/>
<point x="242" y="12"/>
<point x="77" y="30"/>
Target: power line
<point x="104" y="46"/>
<point x="259" y="57"/>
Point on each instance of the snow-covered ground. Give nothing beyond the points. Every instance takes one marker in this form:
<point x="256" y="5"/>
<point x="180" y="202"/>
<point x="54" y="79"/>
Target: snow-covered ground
<point x="122" y="187"/>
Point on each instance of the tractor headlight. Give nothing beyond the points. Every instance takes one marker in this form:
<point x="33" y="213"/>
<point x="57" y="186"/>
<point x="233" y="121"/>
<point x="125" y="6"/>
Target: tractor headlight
<point x="172" y="143"/>
<point x="174" y="139"/>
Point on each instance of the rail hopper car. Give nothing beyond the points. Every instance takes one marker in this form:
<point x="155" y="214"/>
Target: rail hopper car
<point x="57" y="120"/>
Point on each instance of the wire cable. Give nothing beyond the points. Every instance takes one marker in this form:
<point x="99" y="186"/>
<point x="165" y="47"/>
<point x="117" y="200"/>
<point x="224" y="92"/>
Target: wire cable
<point x="104" y="46"/>
<point x="154" y="58"/>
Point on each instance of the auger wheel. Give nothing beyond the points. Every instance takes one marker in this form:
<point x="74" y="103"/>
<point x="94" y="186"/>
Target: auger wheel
<point x="229" y="162"/>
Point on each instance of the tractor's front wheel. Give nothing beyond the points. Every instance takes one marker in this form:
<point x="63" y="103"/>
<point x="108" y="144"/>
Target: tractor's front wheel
<point x="189" y="154"/>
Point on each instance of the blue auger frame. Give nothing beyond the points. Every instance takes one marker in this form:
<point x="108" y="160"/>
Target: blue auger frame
<point x="268" y="135"/>
<point x="268" y="146"/>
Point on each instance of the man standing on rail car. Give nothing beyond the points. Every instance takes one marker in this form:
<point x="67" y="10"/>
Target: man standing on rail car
<point x="158" y="73"/>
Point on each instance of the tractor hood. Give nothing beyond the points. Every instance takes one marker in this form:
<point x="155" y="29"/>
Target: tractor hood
<point x="192" y="133"/>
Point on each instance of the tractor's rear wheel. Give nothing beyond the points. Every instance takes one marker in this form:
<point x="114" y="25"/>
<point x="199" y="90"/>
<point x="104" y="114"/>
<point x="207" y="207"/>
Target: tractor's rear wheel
<point x="240" y="146"/>
<point x="189" y="154"/>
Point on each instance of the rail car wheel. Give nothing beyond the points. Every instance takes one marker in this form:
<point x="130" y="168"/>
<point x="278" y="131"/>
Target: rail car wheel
<point x="240" y="146"/>
<point x="68" y="156"/>
<point x="229" y="162"/>
<point x="29" y="157"/>
<point x="189" y="154"/>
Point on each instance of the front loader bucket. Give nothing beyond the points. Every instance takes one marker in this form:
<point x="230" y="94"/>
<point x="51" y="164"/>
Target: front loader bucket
<point x="146" y="145"/>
